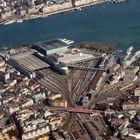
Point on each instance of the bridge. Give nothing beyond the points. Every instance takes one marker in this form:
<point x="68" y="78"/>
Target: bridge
<point x="79" y="110"/>
<point x="74" y="110"/>
<point x="85" y="68"/>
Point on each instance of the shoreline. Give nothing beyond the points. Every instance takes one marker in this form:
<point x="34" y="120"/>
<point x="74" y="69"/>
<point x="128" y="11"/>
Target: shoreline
<point x="65" y="10"/>
<point x="44" y="15"/>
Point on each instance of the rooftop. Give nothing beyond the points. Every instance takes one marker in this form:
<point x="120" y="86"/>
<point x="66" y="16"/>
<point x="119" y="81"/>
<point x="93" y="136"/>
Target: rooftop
<point x="29" y="61"/>
<point x="74" y="58"/>
<point x="51" y="44"/>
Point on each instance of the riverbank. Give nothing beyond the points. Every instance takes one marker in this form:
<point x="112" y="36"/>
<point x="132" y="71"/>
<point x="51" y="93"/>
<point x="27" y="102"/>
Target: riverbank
<point x="56" y="9"/>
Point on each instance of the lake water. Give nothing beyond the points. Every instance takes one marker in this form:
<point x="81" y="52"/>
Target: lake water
<point x="113" y="23"/>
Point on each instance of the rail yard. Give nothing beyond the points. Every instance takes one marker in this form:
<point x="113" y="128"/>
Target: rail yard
<point x="62" y="92"/>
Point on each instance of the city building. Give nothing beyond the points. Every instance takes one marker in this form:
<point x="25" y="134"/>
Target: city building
<point x="117" y="77"/>
<point x="6" y="14"/>
<point x="26" y="63"/>
<point x="134" y="136"/>
<point x="7" y="127"/>
<point x="35" y="123"/>
<point x="59" y="102"/>
<point x="131" y="71"/>
<point x="114" y="68"/>
<point x="137" y="92"/>
<point x="2" y="65"/>
<point x="131" y="106"/>
<point x="51" y="46"/>
<point x="43" y="138"/>
<point x="75" y="57"/>
<point x="23" y="12"/>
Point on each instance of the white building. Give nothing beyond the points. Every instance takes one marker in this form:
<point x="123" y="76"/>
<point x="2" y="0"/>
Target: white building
<point x="137" y="92"/>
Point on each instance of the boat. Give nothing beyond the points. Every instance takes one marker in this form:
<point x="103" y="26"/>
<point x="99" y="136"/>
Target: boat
<point x="67" y="41"/>
<point x="128" y="53"/>
<point x="9" y="22"/>
<point x="70" y="41"/>
<point x="117" y="1"/>
<point x="78" y="8"/>
<point x="19" y="21"/>
<point x="133" y="59"/>
<point x="129" y="50"/>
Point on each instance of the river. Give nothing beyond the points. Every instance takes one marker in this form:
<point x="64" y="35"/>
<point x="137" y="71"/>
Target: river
<point x="106" y="23"/>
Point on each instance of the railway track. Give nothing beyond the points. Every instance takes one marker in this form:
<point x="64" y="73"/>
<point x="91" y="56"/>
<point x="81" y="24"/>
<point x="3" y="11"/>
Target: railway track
<point x="83" y="82"/>
<point x="73" y="87"/>
<point x="57" y="86"/>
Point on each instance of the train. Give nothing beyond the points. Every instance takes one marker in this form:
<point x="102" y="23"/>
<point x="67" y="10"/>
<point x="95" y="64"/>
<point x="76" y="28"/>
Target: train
<point x="54" y="65"/>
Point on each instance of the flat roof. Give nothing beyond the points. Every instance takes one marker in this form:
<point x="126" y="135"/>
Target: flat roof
<point x="75" y="58"/>
<point x="29" y="61"/>
<point x="51" y="44"/>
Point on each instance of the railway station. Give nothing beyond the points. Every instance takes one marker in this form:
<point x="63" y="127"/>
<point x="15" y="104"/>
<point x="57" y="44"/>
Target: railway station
<point x="27" y="63"/>
<point x="52" y="46"/>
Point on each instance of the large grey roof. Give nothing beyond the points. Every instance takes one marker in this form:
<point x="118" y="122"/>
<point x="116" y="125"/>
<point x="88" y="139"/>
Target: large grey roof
<point x="29" y="61"/>
<point x="51" y="44"/>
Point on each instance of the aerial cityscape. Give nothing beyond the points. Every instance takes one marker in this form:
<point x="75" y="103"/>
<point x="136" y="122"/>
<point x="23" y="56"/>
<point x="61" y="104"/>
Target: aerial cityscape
<point x="55" y="85"/>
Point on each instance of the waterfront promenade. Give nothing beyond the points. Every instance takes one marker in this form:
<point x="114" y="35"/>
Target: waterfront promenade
<point x="56" y="9"/>
<point x="48" y="10"/>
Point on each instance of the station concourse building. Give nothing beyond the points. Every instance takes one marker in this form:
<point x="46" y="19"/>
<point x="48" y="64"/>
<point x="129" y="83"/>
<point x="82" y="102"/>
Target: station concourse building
<point x="51" y="46"/>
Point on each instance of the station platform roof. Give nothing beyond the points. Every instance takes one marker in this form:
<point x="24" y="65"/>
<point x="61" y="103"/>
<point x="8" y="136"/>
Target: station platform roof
<point x="29" y="61"/>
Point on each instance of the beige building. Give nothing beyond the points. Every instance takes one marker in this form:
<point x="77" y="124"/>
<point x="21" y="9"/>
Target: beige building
<point x="43" y="138"/>
<point x="114" y="68"/>
<point x="59" y="102"/>
<point x="2" y="65"/>
<point x="55" y="96"/>
<point x="8" y="131"/>
<point x="23" y="12"/>
<point x="13" y="108"/>
<point x="1" y="1"/>
<point x="6" y="14"/>
<point x="7" y="137"/>
<point x="131" y="71"/>
<point x="130" y="106"/>
<point x="137" y="92"/>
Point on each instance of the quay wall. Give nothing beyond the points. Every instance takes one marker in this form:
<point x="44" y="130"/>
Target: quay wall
<point x="48" y="10"/>
<point x="65" y="7"/>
